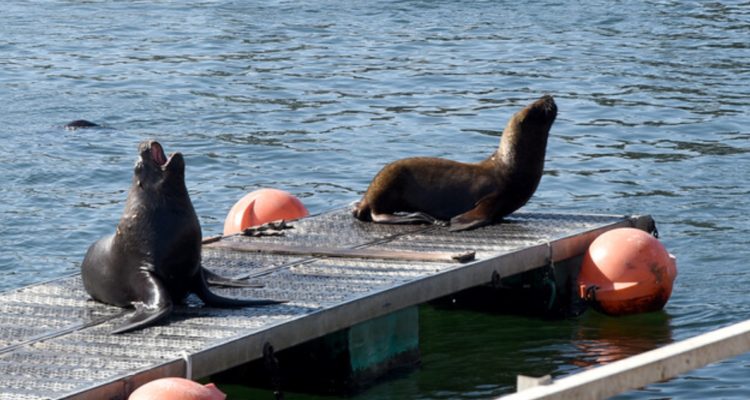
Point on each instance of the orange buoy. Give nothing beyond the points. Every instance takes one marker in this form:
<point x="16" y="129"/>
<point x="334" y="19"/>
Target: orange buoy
<point x="263" y="206"/>
<point x="627" y="271"/>
<point x="177" y="389"/>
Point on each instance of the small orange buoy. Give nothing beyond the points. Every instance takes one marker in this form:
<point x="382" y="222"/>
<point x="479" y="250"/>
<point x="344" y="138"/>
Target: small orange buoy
<point x="627" y="271"/>
<point x="177" y="389"/>
<point x="262" y="206"/>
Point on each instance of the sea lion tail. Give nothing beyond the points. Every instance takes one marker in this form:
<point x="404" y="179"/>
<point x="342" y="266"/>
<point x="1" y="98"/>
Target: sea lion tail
<point x="214" y="300"/>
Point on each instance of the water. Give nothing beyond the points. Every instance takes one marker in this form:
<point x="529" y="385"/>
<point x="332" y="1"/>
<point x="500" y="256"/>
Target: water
<point x="315" y="97"/>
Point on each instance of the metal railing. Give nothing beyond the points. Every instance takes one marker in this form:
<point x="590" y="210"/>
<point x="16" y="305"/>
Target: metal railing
<point x="640" y="370"/>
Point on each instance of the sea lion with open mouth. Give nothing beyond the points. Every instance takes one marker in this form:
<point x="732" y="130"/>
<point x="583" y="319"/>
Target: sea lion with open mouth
<point x="469" y="195"/>
<point x="154" y="258"/>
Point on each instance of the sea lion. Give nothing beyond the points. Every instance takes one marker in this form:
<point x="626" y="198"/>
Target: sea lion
<point x="469" y="195"/>
<point x="80" y="123"/>
<point x="154" y="258"/>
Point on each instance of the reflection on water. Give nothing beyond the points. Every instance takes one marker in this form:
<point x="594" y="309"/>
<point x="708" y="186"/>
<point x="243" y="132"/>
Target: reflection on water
<point x="602" y="339"/>
<point x="315" y="97"/>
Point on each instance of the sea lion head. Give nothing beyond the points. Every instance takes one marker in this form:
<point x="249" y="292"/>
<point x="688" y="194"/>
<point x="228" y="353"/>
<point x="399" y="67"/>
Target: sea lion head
<point x="524" y="139"/>
<point x="80" y="124"/>
<point x="536" y="118"/>
<point x="154" y="171"/>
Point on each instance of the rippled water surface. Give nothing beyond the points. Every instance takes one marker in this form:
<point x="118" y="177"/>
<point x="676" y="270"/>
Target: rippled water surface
<point x="315" y="97"/>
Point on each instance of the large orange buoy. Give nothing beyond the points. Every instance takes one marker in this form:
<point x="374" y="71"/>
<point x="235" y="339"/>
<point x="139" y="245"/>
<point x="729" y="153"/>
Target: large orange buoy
<point x="177" y="389"/>
<point x="262" y="206"/>
<point x="627" y="271"/>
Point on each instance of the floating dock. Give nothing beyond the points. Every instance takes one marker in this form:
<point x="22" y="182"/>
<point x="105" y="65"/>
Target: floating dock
<point x="336" y="272"/>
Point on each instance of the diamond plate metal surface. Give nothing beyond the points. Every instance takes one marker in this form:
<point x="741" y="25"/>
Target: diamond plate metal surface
<point x="55" y="341"/>
<point x="518" y="231"/>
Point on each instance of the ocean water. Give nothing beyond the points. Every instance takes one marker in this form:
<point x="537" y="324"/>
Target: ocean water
<point x="315" y="97"/>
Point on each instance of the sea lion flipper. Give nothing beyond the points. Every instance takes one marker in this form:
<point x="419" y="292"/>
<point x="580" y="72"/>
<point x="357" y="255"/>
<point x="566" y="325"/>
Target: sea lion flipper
<point x="147" y="311"/>
<point x="415" y="217"/>
<point x="480" y="215"/>
<point x="361" y="211"/>
<point x="214" y="300"/>
<point x="217" y="280"/>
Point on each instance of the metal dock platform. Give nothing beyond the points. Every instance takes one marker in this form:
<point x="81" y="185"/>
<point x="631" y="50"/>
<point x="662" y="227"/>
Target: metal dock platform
<point x="334" y="270"/>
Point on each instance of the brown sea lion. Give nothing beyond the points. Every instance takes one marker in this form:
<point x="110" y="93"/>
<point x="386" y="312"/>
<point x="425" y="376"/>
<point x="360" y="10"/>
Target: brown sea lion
<point x="154" y="258"/>
<point x="427" y="189"/>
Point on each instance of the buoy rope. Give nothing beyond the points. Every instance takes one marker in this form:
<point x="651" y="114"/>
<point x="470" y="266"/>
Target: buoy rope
<point x="553" y="294"/>
<point x="551" y="255"/>
<point x="550" y="275"/>
<point x="188" y="365"/>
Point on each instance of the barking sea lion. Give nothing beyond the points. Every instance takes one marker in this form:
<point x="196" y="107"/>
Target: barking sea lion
<point x="469" y="195"/>
<point x="154" y="258"/>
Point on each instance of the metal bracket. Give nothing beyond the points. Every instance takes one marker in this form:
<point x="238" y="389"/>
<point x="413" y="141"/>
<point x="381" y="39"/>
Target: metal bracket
<point x="496" y="280"/>
<point x="273" y="369"/>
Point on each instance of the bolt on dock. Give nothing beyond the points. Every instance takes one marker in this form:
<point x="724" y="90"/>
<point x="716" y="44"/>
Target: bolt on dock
<point x="335" y="272"/>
